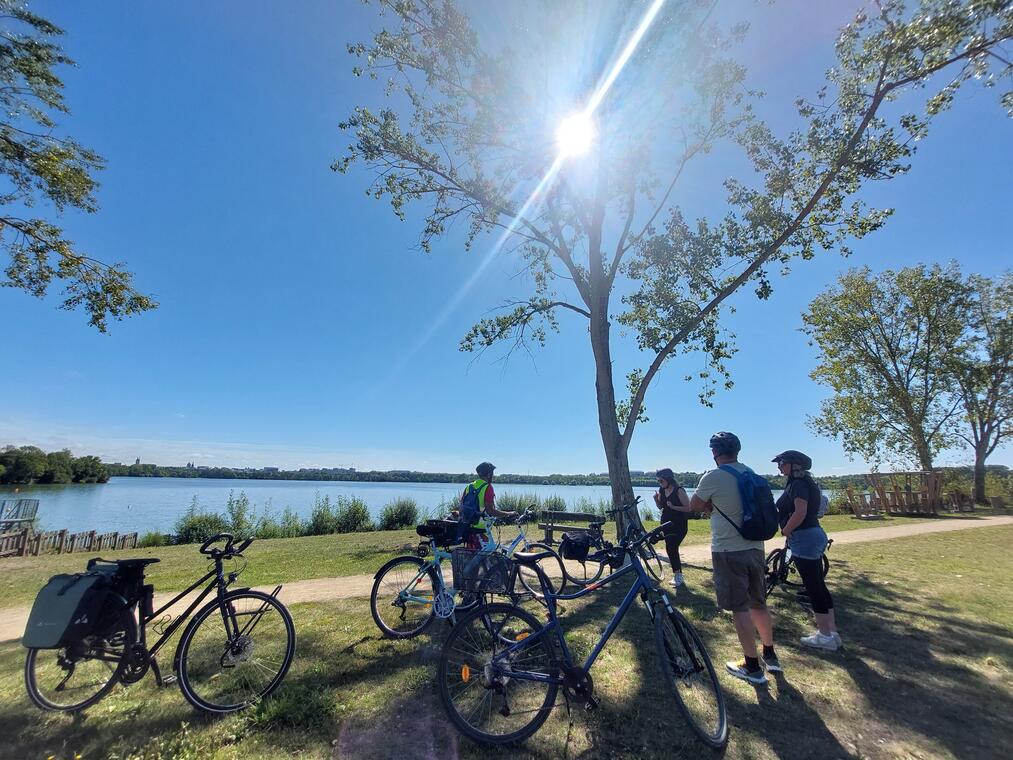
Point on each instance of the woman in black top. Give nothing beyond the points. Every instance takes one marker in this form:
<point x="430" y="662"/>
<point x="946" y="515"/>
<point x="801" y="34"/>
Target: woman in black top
<point x="673" y="502"/>
<point x="798" y="514"/>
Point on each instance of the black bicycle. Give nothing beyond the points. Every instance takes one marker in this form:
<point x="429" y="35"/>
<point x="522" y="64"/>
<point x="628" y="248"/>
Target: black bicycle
<point x="781" y="569"/>
<point x="235" y="650"/>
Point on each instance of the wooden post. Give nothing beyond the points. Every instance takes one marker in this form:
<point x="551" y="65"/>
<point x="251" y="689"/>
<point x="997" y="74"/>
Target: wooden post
<point x="23" y="543"/>
<point x="63" y="541"/>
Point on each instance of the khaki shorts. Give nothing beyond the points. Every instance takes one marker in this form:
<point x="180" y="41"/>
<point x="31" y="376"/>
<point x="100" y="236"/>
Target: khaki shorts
<point x="738" y="580"/>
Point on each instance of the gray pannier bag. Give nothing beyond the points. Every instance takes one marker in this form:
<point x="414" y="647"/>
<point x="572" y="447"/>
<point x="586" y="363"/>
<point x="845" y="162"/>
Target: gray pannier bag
<point x="67" y="609"/>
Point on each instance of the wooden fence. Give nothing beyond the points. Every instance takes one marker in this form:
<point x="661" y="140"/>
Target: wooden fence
<point x="25" y="543"/>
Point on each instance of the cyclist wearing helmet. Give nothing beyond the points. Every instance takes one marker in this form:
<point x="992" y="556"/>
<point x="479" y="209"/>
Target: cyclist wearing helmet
<point x="797" y="511"/>
<point x="486" y="500"/>
<point x="674" y="505"/>
<point x="738" y="563"/>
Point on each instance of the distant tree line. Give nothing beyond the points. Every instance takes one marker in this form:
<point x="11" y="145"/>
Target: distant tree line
<point x="30" y="464"/>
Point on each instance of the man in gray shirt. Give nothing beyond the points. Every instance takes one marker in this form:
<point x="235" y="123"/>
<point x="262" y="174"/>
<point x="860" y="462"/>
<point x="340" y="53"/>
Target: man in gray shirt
<point x="738" y="563"/>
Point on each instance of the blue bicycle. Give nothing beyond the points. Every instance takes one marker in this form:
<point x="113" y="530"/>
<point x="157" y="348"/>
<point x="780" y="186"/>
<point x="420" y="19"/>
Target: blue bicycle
<point x="501" y="667"/>
<point x="409" y="592"/>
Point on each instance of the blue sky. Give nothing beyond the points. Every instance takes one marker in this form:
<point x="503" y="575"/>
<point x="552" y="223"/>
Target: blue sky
<point x="289" y="299"/>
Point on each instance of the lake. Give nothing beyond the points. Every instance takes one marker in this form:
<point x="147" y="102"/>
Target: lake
<point x="143" y="504"/>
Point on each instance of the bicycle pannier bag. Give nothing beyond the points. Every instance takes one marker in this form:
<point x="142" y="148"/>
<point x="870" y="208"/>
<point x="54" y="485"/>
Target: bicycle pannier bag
<point x="759" y="513"/>
<point x="66" y="610"/>
<point x="575" y="546"/>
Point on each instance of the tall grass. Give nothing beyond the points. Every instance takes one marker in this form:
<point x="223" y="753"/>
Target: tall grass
<point x="400" y="513"/>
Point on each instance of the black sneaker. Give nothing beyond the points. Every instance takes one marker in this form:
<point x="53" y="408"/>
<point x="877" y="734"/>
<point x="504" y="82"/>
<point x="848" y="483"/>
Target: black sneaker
<point x="771" y="664"/>
<point x="739" y="670"/>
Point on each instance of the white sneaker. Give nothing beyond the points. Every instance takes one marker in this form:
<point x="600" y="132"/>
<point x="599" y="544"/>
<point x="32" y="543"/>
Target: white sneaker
<point x="677" y="580"/>
<point x="840" y="641"/>
<point x="819" y="641"/>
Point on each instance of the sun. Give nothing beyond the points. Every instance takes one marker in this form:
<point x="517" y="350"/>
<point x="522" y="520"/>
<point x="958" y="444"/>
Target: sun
<point x="575" y="134"/>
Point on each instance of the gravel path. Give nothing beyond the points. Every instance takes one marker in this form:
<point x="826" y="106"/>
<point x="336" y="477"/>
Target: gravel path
<point x="13" y="619"/>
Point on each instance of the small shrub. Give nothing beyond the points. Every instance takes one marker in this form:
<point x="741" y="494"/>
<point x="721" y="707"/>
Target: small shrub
<point x="554" y="503"/>
<point x="322" y="518"/>
<point x="647" y="515"/>
<point x="153" y="538"/>
<point x="352" y="516"/>
<point x="197" y="525"/>
<point x="517" y="502"/>
<point x="400" y="513"/>
<point x="240" y="516"/>
<point x="291" y="525"/>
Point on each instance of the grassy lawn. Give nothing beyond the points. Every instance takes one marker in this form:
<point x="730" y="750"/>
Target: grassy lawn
<point x="289" y="559"/>
<point x="927" y="673"/>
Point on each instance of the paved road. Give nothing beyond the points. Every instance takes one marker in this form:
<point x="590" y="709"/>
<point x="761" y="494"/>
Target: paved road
<point x="13" y="619"/>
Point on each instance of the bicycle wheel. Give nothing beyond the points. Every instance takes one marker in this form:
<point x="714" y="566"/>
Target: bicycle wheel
<point x="652" y="562"/>
<point x="485" y="703"/>
<point x="233" y="655"/>
<point x="79" y="675"/>
<point x="551" y="566"/>
<point x="687" y="669"/>
<point x="774" y="571"/>
<point x="586" y="572"/>
<point x="395" y="615"/>
<point x="825" y="564"/>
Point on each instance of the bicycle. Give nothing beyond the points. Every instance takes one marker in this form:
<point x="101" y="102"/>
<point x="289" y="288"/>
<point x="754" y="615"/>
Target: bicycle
<point x="590" y="568"/>
<point x="234" y="651"/>
<point x="501" y="668"/>
<point x="409" y="592"/>
<point x="780" y="569"/>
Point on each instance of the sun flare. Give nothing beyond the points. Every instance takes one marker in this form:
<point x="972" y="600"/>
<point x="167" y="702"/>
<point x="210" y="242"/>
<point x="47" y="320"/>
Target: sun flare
<point x="575" y="134"/>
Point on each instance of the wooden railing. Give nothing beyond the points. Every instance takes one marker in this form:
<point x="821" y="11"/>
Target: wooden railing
<point x="25" y="543"/>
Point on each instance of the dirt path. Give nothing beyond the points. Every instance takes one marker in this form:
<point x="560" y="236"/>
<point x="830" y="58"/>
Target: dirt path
<point x="13" y="619"/>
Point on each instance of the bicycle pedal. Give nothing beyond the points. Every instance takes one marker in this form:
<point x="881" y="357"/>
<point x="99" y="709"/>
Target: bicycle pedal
<point x="168" y="680"/>
<point x="591" y="704"/>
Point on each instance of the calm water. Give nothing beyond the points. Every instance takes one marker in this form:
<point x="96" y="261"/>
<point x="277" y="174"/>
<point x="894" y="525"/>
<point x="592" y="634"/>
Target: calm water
<point x="142" y="504"/>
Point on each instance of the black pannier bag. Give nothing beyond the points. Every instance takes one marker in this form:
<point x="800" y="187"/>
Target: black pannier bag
<point x="445" y="532"/>
<point x="575" y="546"/>
<point x="68" y="608"/>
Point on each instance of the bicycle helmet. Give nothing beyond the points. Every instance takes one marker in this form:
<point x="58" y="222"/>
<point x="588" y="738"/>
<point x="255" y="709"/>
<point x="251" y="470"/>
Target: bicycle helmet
<point x="794" y="457"/>
<point x="725" y="443"/>
<point x="485" y="469"/>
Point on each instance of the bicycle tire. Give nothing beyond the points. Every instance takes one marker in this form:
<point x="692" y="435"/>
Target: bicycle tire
<point x="672" y="634"/>
<point x="587" y="572"/>
<point x="557" y="578"/>
<point x="825" y="564"/>
<point x="651" y="561"/>
<point x="773" y="571"/>
<point x="469" y="646"/>
<point x="123" y="631"/>
<point x="233" y="654"/>
<point x="426" y="613"/>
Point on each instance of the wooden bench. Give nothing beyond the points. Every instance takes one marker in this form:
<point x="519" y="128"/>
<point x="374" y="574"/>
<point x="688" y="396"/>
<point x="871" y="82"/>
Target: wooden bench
<point x="552" y="521"/>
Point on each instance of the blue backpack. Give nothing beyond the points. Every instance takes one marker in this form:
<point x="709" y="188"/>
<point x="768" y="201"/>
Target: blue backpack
<point x="759" y="513"/>
<point x="470" y="508"/>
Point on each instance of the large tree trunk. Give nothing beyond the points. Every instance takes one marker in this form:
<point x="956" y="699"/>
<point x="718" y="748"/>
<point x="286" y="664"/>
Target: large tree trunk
<point x="608" y="424"/>
<point x="923" y="453"/>
<point x="980" y="454"/>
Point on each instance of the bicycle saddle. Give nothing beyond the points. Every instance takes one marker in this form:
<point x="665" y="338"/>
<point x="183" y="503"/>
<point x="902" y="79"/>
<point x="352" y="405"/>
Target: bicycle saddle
<point x="125" y="563"/>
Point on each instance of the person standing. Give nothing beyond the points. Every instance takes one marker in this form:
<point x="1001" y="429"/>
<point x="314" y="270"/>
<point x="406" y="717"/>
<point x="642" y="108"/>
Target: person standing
<point x="798" y="515"/>
<point x="486" y="496"/>
<point x="673" y="502"/>
<point x="738" y="563"/>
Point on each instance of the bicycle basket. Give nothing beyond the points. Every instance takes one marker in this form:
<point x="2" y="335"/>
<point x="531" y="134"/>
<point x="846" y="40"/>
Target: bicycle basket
<point x="481" y="572"/>
<point x="575" y="546"/>
<point x="444" y="532"/>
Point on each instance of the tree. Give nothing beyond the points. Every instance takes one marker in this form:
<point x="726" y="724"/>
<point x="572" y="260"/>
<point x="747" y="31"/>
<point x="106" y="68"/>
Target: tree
<point x="23" y="464"/>
<point x="464" y="131"/>
<point x="982" y="372"/>
<point x="59" y="467"/>
<point x="89" y="469"/>
<point x="42" y="167"/>
<point x="885" y="343"/>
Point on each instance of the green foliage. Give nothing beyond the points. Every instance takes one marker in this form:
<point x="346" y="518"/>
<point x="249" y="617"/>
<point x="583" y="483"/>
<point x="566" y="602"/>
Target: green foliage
<point x="302" y="707"/>
<point x="348" y="515"/>
<point x="59" y="467"/>
<point x="41" y="166"/>
<point x="885" y="341"/>
<point x="153" y="538"/>
<point x="30" y="464"/>
<point x="240" y="516"/>
<point x="400" y="513"/>
<point x="197" y="525"/>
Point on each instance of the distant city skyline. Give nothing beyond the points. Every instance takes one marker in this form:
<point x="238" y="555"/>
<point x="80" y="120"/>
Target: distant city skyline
<point x="299" y="326"/>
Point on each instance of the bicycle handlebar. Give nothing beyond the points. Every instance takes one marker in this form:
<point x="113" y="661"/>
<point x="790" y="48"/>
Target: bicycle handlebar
<point x="230" y="550"/>
<point x="205" y="547"/>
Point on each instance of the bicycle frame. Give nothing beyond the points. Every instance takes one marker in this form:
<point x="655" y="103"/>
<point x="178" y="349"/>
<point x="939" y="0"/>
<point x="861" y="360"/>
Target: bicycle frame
<point x="641" y="585"/>
<point x="489" y="544"/>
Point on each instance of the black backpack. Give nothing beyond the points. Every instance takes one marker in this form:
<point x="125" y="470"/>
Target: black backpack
<point x="69" y="608"/>
<point x="575" y="546"/>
